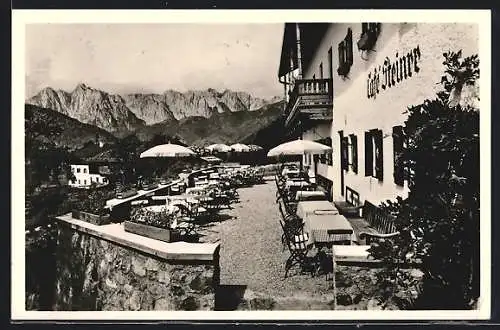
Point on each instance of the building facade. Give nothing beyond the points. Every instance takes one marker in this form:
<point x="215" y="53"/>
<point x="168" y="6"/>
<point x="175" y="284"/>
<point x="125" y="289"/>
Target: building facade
<point x="85" y="177"/>
<point x="364" y="77"/>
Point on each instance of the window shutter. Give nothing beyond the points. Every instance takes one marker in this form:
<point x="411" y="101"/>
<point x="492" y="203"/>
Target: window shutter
<point x="354" y="146"/>
<point x="397" y="137"/>
<point x="349" y="56"/>
<point x="341" y="54"/>
<point x="379" y="155"/>
<point x="345" y="162"/>
<point x="368" y="154"/>
<point x="364" y="27"/>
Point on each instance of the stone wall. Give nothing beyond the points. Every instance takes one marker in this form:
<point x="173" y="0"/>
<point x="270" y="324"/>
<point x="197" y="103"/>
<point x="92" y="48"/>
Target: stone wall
<point x="96" y="274"/>
<point x="358" y="288"/>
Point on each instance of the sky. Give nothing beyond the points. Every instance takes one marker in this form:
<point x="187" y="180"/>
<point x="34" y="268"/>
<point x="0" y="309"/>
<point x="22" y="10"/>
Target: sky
<point x="127" y="58"/>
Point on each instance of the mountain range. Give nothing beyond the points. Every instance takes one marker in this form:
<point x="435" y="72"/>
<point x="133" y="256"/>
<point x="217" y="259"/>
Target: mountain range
<point x="86" y="115"/>
<point x="121" y="114"/>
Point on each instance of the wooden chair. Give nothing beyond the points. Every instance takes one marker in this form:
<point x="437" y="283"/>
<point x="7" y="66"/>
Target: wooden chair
<point x="186" y="221"/>
<point x="299" y="252"/>
<point x="292" y="222"/>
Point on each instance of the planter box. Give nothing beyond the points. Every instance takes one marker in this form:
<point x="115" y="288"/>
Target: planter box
<point x="91" y="218"/>
<point x="125" y="194"/>
<point x="161" y="234"/>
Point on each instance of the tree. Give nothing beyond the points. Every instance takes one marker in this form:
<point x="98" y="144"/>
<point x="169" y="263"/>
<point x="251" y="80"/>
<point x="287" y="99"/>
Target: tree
<point x="439" y="220"/>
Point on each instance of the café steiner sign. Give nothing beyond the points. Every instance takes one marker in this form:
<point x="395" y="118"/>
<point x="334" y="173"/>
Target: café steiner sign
<point x="393" y="72"/>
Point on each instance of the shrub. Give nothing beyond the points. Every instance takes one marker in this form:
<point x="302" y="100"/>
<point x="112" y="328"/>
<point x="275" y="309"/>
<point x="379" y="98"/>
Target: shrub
<point x="439" y="221"/>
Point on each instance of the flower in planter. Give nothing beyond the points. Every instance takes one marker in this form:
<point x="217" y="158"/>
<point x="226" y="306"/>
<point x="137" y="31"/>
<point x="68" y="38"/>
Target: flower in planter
<point x="94" y="201"/>
<point x="161" y="219"/>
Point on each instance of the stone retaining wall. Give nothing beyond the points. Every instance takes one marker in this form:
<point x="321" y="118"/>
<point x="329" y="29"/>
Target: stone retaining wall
<point x="357" y="287"/>
<point x="96" y="274"/>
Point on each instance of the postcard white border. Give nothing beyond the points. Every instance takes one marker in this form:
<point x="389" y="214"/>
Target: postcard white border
<point x="22" y="17"/>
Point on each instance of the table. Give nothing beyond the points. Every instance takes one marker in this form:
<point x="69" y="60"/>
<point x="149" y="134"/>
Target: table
<point x="328" y="228"/>
<point x="306" y="195"/>
<point x="288" y="171"/>
<point x="187" y="198"/>
<point x="305" y="208"/>
<point x="110" y="204"/>
<point x="293" y="183"/>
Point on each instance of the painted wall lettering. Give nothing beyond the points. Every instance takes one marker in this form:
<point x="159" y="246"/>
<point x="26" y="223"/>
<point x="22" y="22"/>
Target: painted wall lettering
<point x="390" y="73"/>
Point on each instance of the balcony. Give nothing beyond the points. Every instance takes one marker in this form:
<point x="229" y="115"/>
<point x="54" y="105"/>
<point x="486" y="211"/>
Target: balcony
<point x="310" y="100"/>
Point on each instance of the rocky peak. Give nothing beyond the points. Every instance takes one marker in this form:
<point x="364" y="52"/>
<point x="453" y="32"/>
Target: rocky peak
<point x="90" y="106"/>
<point x="115" y="112"/>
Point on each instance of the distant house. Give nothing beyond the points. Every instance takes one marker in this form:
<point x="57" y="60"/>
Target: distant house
<point x="94" y="170"/>
<point x="85" y="176"/>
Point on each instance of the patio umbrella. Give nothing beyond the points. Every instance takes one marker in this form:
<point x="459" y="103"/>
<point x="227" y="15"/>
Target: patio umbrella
<point x="220" y="147"/>
<point x="254" y="147"/>
<point x="239" y="147"/>
<point x="299" y="147"/>
<point x="168" y="150"/>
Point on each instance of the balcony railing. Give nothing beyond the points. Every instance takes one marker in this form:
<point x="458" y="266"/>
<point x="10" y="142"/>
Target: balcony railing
<point x="310" y="98"/>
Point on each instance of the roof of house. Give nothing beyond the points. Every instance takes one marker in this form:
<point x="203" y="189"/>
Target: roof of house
<point x="108" y="156"/>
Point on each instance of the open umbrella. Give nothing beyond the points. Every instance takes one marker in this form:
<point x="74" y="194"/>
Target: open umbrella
<point x="168" y="150"/>
<point x="239" y="147"/>
<point x="254" y="147"/>
<point x="299" y="147"/>
<point x="220" y="147"/>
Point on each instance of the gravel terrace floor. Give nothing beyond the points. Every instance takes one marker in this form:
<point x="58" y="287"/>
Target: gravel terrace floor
<point x="252" y="257"/>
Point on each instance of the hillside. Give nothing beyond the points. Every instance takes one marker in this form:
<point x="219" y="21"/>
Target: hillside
<point x="73" y="133"/>
<point x="227" y="127"/>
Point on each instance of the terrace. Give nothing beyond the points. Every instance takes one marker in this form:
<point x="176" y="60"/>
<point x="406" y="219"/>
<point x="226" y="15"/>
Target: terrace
<point x="242" y="245"/>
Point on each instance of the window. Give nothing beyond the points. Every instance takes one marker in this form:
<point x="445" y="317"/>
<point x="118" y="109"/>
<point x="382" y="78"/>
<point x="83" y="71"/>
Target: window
<point x="84" y="170"/>
<point x="321" y="71"/>
<point x="78" y="170"/>
<point x="398" y="145"/>
<point x="329" y="159"/>
<point x="104" y="180"/>
<point x="330" y="64"/>
<point x="354" y="152"/>
<point x="85" y="182"/>
<point x="344" y="156"/>
<point x="374" y="154"/>
<point x="73" y="169"/>
<point x="79" y="182"/>
<point x="345" y="54"/>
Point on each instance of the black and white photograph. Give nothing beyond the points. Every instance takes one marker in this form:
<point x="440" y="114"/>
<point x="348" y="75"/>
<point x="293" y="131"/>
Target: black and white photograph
<point x="229" y="163"/>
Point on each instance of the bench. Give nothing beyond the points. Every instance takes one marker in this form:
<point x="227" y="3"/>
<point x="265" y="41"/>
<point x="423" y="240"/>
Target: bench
<point x="371" y="224"/>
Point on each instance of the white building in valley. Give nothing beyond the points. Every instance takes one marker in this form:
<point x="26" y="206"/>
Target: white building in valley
<point x="84" y="177"/>
<point x="349" y="84"/>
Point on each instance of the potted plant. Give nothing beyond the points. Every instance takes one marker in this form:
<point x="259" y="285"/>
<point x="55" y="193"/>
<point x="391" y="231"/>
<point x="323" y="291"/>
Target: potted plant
<point x="91" y="208"/>
<point x="152" y="224"/>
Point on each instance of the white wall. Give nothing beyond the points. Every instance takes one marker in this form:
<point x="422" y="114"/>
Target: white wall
<point x="355" y="113"/>
<point x="84" y="178"/>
